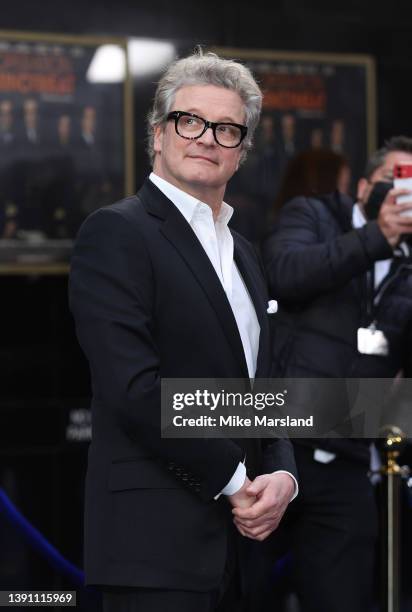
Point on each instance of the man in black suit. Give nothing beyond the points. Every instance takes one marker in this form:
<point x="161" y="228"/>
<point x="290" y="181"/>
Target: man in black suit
<point x="160" y="287"/>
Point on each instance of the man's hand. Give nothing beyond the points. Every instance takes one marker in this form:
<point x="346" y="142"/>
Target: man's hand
<point x="242" y="499"/>
<point x="272" y="494"/>
<point x="390" y="219"/>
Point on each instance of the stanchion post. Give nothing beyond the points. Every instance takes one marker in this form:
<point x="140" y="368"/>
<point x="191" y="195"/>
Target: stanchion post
<point x="390" y="444"/>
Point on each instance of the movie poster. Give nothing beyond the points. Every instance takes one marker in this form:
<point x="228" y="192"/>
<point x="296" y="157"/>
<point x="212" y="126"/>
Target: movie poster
<point x="64" y="147"/>
<point x="311" y="101"/>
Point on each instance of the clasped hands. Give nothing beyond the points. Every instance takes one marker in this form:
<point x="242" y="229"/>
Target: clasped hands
<point x="259" y="505"/>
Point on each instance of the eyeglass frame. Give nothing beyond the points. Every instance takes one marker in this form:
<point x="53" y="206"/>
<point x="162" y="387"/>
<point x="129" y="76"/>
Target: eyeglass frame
<point x="176" y="115"/>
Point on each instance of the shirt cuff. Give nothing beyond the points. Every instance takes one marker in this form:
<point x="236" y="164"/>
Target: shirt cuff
<point x="294" y="480"/>
<point x="238" y="479"/>
<point x="235" y="483"/>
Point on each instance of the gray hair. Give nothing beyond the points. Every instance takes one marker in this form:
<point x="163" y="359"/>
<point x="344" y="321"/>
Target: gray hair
<point x="206" y="69"/>
<point x="402" y="144"/>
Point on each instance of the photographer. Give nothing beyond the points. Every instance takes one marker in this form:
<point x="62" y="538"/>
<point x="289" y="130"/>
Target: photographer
<point x="337" y="267"/>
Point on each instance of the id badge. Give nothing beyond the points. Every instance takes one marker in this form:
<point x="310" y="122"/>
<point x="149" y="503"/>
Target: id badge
<point x="372" y="341"/>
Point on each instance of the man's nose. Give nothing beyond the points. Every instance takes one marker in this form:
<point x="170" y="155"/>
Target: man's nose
<point x="207" y="138"/>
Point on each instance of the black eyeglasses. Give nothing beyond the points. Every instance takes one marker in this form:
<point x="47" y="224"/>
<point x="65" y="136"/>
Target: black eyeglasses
<point x="190" y="126"/>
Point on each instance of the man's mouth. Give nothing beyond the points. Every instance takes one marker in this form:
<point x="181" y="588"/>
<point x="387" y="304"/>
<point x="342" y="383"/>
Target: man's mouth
<point x="203" y="158"/>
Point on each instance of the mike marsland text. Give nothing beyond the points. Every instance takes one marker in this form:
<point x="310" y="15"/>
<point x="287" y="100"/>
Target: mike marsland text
<point x="237" y="421"/>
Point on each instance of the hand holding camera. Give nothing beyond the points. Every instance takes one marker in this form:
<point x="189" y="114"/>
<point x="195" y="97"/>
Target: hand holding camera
<point x="395" y="214"/>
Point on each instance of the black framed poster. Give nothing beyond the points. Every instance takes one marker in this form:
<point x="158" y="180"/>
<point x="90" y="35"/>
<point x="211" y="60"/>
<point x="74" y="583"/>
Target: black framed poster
<point x="311" y="100"/>
<point x="65" y="142"/>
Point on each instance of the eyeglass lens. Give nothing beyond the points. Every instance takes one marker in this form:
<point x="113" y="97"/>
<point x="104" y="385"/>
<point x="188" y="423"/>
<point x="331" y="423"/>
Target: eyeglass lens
<point x="192" y="127"/>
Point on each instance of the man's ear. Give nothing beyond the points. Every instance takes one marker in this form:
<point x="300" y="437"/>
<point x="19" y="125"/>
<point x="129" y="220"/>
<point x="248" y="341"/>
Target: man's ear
<point x="361" y="190"/>
<point x="158" y="138"/>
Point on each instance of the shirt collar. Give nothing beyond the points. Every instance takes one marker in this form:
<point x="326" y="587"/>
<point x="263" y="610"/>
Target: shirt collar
<point x="187" y="204"/>
<point x="358" y="218"/>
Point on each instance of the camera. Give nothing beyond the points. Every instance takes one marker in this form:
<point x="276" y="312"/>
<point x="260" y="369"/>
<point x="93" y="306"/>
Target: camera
<point x="402" y="179"/>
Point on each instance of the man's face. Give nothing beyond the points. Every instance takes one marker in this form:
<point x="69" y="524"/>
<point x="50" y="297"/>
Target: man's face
<point x="383" y="173"/>
<point x="89" y="120"/>
<point x="199" y="167"/>
<point x="30" y="112"/>
<point x="6" y="115"/>
<point x="337" y="132"/>
<point x="288" y="126"/>
<point x="63" y="127"/>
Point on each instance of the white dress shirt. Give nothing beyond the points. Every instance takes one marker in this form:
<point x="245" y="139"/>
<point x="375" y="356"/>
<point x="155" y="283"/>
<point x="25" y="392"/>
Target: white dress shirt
<point x="217" y="242"/>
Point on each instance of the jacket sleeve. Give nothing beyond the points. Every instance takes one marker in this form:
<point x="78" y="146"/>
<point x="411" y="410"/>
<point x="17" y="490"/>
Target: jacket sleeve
<point x="112" y="298"/>
<point x="300" y="265"/>
<point x="278" y="455"/>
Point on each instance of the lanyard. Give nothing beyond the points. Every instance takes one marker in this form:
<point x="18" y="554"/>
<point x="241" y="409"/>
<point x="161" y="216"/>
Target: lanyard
<point x="371" y="305"/>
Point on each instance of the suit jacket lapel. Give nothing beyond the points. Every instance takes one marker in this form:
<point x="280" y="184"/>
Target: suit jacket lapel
<point x="360" y="284"/>
<point x="251" y="279"/>
<point x="179" y="233"/>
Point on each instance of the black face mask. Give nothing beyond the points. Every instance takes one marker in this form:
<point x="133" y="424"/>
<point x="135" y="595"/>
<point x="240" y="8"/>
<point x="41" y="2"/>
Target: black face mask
<point x="376" y="198"/>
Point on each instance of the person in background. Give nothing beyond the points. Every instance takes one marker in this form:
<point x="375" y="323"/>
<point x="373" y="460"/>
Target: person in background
<point x="335" y="267"/>
<point x="311" y="172"/>
<point x="31" y="130"/>
<point x="7" y="135"/>
<point x="337" y="136"/>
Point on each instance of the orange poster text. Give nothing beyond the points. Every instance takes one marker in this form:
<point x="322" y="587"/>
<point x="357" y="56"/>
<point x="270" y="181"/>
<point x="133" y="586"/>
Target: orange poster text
<point x="16" y="62"/>
<point x="295" y="100"/>
<point x="26" y="83"/>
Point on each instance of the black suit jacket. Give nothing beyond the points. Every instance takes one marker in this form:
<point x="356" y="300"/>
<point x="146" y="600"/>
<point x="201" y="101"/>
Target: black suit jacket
<point x="317" y="266"/>
<point x="148" y="304"/>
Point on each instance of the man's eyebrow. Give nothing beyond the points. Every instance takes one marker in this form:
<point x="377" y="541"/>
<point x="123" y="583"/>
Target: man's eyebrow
<point x="225" y="119"/>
